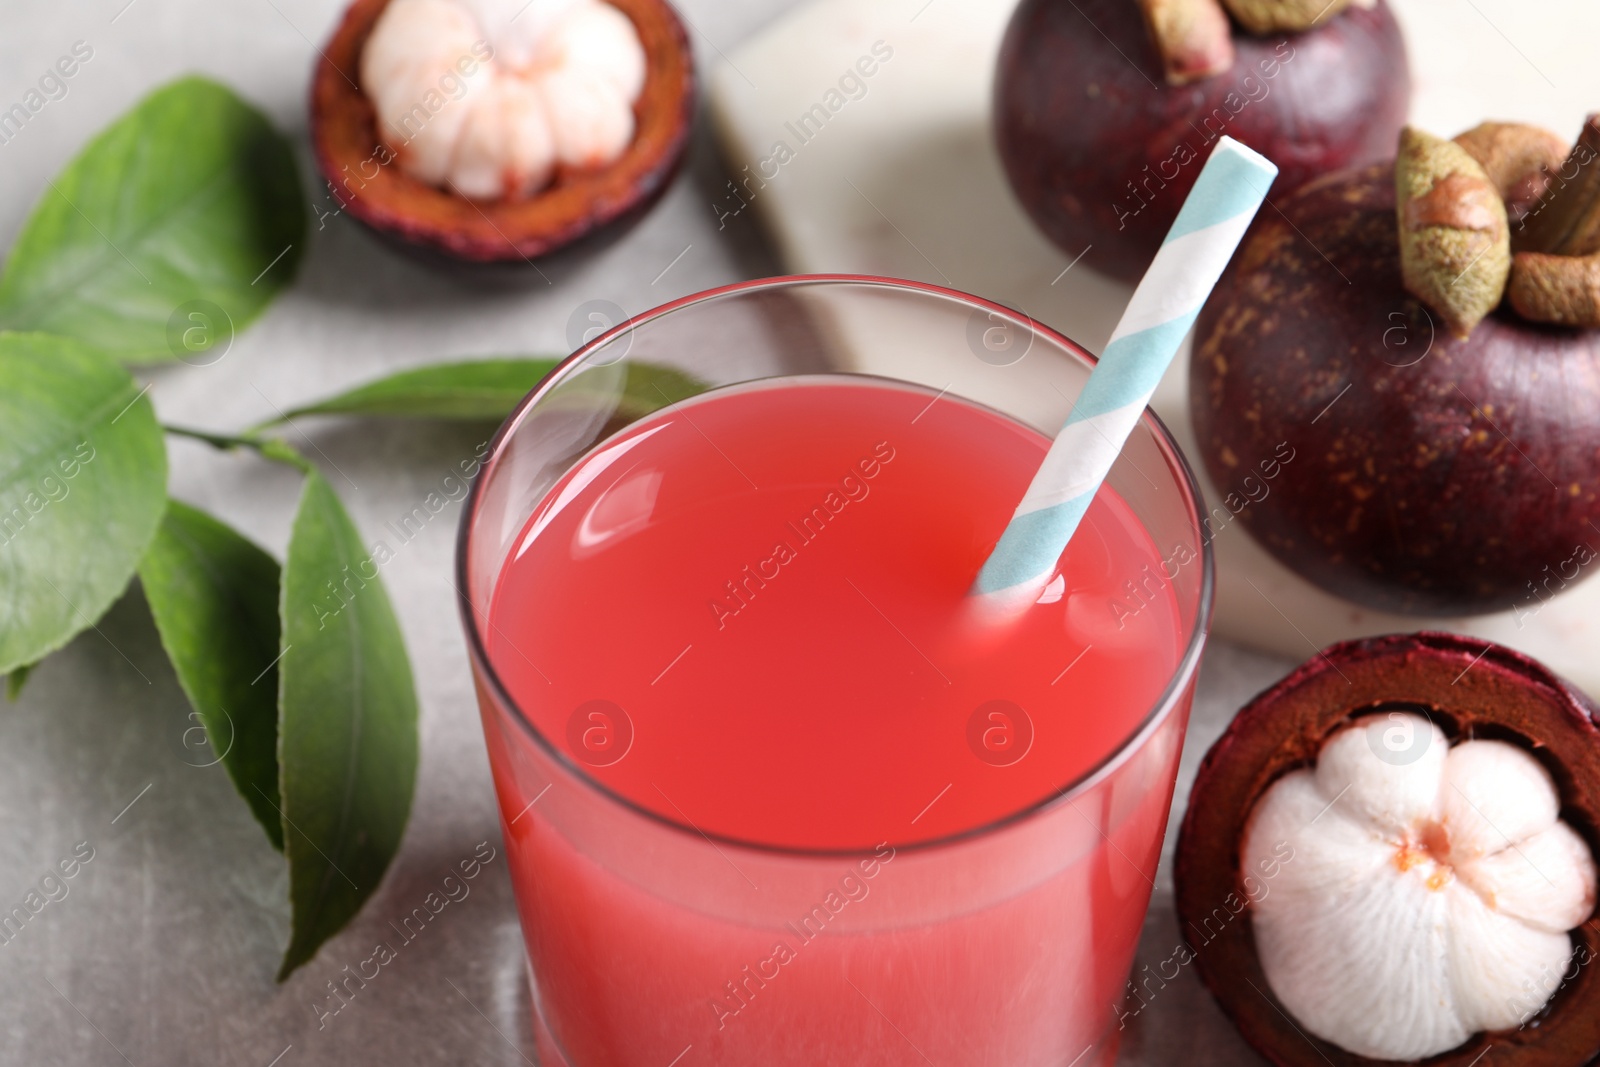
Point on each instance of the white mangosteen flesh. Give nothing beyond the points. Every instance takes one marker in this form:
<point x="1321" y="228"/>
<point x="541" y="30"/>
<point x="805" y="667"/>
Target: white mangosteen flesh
<point x="485" y="98"/>
<point x="1429" y="893"/>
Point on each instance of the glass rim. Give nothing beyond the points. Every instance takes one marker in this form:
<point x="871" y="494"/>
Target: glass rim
<point x="1161" y="708"/>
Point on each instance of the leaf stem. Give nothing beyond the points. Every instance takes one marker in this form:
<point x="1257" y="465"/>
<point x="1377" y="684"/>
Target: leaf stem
<point x="273" y="448"/>
<point x="226" y="442"/>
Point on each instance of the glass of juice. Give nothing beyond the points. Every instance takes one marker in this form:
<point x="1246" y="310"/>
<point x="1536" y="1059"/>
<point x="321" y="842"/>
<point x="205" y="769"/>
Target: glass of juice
<point x="772" y="793"/>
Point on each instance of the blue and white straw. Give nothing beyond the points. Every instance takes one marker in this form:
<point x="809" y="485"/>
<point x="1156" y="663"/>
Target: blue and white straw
<point x="1209" y="226"/>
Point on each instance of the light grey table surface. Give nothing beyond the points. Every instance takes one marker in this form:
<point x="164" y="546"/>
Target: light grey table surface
<point x="164" y="949"/>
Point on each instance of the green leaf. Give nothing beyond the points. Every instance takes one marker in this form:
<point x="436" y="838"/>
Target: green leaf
<point x="17" y="679"/>
<point x="83" y="483"/>
<point x="214" y="596"/>
<point x="651" y="387"/>
<point x="347" y="728"/>
<point x="488" y="389"/>
<point x="170" y="231"/>
<point x="481" y="389"/>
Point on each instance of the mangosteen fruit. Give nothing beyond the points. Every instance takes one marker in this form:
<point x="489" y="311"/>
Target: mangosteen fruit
<point x="501" y="130"/>
<point x="1445" y="446"/>
<point x="1389" y="857"/>
<point x="1103" y="118"/>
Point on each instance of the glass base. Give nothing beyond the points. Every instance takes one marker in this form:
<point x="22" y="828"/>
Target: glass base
<point x="544" y="1045"/>
<point x="1104" y="1054"/>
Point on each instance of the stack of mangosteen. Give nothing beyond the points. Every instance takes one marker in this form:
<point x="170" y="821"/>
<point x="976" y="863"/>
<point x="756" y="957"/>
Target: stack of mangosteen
<point x="1405" y="827"/>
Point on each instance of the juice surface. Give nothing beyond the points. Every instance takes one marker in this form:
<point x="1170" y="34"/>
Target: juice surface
<point x="748" y="613"/>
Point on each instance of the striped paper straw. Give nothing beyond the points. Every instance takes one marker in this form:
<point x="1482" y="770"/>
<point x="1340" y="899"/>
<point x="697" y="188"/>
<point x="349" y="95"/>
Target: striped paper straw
<point x="1209" y="227"/>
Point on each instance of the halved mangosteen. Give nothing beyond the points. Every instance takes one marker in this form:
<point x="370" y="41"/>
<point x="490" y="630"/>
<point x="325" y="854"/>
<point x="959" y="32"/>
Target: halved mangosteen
<point x="529" y="213"/>
<point x="1389" y="857"/>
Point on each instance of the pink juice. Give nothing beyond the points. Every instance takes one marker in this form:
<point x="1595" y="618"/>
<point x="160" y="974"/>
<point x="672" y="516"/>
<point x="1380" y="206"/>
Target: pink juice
<point x="746" y="616"/>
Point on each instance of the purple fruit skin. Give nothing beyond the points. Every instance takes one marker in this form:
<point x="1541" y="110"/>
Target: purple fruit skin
<point x="1081" y="110"/>
<point x="1430" y="475"/>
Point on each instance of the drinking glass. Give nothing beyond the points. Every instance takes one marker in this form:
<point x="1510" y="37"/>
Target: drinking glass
<point x="652" y="944"/>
